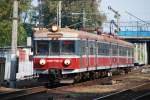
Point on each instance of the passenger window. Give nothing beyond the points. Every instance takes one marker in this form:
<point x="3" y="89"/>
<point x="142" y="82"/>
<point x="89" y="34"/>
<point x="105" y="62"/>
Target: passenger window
<point x="103" y="49"/>
<point x="83" y="47"/>
<point x="68" y="47"/>
<point x="91" y="46"/>
<point x="114" y="50"/>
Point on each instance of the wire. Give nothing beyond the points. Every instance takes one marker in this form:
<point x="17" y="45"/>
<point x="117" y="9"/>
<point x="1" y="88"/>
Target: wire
<point x="137" y="17"/>
<point x="77" y="23"/>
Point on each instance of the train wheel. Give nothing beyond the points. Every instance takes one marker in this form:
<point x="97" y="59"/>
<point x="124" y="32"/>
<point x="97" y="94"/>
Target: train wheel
<point x="103" y="73"/>
<point x="109" y="74"/>
<point x="78" y="77"/>
<point x="127" y="70"/>
<point x="95" y="75"/>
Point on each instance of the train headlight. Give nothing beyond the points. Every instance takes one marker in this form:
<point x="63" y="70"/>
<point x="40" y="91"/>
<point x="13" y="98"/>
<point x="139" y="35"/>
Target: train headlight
<point x="54" y="28"/>
<point x="42" y="62"/>
<point x="67" y="62"/>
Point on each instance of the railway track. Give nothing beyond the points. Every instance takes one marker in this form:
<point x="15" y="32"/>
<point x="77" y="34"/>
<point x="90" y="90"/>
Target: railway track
<point x="62" y="91"/>
<point x="140" y="92"/>
<point x="22" y="93"/>
<point x="137" y="93"/>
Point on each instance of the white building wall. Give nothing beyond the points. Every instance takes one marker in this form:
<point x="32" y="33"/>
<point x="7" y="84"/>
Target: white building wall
<point x="140" y="53"/>
<point x="25" y="68"/>
<point x="7" y="66"/>
<point x="145" y="51"/>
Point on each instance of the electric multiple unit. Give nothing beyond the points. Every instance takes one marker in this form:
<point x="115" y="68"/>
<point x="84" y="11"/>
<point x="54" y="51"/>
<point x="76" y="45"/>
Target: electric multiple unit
<point x="63" y="54"/>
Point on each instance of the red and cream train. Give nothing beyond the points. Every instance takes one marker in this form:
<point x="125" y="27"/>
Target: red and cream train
<point x="67" y="54"/>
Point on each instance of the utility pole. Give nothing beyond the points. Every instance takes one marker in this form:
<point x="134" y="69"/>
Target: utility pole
<point x="41" y="23"/>
<point x="84" y="19"/>
<point x="117" y="16"/>
<point x="14" y="44"/>
<point x="59" y="14"/>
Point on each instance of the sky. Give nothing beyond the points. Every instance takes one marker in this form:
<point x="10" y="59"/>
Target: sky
<point x="34" y="2"/>
<point x="139" y="8"/>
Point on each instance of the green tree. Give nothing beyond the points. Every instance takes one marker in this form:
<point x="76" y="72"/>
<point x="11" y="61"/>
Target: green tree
<point x="6" y="8"/>
<point x="72" y="12"/>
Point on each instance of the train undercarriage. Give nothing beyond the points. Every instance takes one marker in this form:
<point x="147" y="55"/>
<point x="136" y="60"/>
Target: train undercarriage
<point x="55" y="76"/>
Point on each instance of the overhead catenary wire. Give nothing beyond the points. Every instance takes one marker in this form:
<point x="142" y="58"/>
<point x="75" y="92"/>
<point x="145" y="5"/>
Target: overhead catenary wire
<point x="137" y="17"/>
<point x="78" y="23"/>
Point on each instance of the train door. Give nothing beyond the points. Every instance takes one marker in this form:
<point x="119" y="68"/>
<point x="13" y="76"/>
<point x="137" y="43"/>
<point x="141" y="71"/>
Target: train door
<point x="87" y="56"/>
<point x="96" y="54"/>
<point x="114" y="55"/>
<point x="128" y="56"/>
<point x="92" y="55"/>
<point x="110" y="55"/>
<point x="84" y="53"/>
<point x="117" y="55"/>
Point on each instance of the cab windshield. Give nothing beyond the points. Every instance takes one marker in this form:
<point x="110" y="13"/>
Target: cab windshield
<point x="42" y="48"/>
<point x="55" y="47"/>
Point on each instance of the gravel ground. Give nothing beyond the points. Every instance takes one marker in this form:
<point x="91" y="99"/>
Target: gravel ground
<point x="91" y="90"/>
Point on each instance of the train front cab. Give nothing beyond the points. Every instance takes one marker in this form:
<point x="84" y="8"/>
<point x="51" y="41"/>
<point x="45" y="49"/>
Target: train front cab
<point x="56" y="56"/>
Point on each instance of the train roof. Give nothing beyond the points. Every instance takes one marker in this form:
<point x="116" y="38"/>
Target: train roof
<point x="71" y="33"/>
